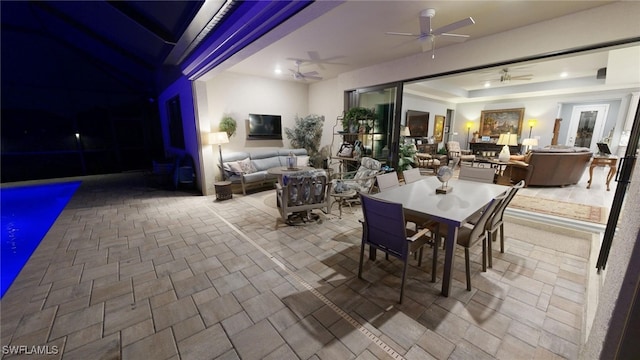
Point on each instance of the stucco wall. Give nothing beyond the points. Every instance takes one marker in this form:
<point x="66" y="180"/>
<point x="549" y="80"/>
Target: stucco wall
<point x="621" y="276"/>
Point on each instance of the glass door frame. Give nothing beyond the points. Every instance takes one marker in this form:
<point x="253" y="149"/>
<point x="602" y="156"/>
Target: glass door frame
<point x="352" y="99"/>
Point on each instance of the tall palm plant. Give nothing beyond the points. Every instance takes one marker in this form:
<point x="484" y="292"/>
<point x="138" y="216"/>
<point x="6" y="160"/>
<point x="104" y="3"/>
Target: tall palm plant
<point x="306" y="135"/>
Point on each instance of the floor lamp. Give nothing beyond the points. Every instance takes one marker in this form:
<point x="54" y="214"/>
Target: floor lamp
<point x="219" y="138"/>
<point x="469" y="125"/>
<point x="532" y="123"/>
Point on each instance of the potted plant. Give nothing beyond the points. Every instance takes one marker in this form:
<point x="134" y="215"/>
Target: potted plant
<point x="228" y="125"/>
<point x="306" y="135"/>
<point x="406" y="157"/>
<point x="350" y="121"/>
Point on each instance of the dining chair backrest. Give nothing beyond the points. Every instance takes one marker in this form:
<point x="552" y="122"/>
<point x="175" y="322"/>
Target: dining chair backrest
<point x="496" y="219"/>
<point x="387" y="181"/>
<point x="478" y="231"/>
<point x="478" y="174"/>
<point x="411" y="175"/>
<point x="384" y="226"/>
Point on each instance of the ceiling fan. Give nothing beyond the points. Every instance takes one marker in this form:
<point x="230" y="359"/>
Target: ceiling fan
<point x="313" y="75"/>
<point x="428" y="36"/>
<point x="505" y="76"/>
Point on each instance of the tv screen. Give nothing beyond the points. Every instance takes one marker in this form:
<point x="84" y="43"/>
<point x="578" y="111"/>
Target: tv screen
<point x="265" y="127"/>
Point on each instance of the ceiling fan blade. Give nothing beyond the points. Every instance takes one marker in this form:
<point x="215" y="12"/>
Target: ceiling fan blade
<point x="453" y="26"/>
<point x="401" y="33"/>
<point x="313" y="77"/>
<point x="455" y="37"/>
<point x="522" y="77"/>
<point x="310" y="73"/>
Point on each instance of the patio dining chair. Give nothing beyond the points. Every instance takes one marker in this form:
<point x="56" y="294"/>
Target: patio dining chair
<point x="497" y="223"/>
<point x="383" y="228"/>
<point x="411" y="175"/>
<point x="485" y="175"/>
<point x="468" y="237"/>
<point x="387" y="181"/>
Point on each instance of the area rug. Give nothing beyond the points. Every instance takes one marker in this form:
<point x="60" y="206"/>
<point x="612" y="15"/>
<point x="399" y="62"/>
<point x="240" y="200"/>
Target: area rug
<point x="594" y="214"/>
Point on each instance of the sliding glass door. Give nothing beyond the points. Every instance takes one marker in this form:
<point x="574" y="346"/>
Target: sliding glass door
<point x="383" y="101"/>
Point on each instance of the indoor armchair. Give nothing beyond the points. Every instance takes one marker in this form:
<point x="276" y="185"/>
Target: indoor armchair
<point x="454" y="151"/>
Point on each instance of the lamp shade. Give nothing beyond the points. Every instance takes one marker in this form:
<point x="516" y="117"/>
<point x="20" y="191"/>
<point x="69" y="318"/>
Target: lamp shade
<point x="532" y="122"/>
<point x="530" y="142"/>
<point x="508" y="139"/>
<point x="217" y="138"/>
<point x="405" y="131"/>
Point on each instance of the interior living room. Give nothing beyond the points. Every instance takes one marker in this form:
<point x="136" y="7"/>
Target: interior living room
<point x="128" y="270"/>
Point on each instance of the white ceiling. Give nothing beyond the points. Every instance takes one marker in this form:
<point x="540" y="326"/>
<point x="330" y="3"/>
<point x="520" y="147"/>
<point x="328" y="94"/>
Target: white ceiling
<point x="352" y="36"/>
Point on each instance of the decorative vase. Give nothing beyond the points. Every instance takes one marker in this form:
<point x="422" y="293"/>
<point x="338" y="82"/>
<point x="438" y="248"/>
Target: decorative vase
<point x="504" y="155"/>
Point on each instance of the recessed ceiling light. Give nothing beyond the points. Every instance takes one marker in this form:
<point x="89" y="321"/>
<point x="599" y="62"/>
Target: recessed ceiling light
<point x="564" y="74"/>
<point x="487" y="84"/>
<point x="278" y="70"/>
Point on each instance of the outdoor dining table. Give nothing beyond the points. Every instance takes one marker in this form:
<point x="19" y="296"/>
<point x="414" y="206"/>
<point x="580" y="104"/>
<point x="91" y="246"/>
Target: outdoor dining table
<point x="454" y="208"/>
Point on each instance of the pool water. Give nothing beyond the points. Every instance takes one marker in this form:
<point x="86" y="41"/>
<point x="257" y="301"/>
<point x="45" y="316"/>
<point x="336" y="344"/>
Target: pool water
<point x="27" y="214"/>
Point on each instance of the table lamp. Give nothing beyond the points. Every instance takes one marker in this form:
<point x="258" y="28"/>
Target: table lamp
<point x="529" y="143"/>
<point x="507" y="140"/>
<point x="219" y="138"/>
<point x="405" y="133"/>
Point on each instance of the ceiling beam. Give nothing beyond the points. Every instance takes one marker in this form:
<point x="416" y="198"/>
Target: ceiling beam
<point x="148" y="24"/>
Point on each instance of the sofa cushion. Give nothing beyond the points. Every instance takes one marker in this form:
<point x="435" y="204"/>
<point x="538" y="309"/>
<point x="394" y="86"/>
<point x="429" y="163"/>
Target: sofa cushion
<point x="297" y="152"/>
<point x="266" y="163"/>
<point x="234" y="156"/>
<point x="256" y="176"/>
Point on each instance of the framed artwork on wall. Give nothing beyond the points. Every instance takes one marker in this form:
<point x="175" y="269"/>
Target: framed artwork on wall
<point x="418" y="123"/>
<point x="496" y="122"/>
<point x="438" y="128"/>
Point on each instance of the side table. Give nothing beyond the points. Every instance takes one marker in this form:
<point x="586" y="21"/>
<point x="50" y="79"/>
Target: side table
<point x="611" y="161"/>
<point x="223" y="190"/>
<point x="342" y="198"/>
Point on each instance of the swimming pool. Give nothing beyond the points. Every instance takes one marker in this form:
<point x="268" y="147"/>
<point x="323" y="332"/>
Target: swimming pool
<point x="27" y="214"/>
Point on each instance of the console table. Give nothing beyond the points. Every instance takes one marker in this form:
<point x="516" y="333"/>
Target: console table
<point x="477" y="148"/>
<point x="611" y="161"/>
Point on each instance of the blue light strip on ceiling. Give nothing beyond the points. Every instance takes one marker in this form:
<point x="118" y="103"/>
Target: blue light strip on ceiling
<point x="246" y="23"/>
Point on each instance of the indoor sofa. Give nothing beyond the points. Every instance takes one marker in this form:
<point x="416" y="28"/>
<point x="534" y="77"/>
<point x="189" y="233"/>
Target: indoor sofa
<point x="557" y="166"/>
<point x="249" y="168"/>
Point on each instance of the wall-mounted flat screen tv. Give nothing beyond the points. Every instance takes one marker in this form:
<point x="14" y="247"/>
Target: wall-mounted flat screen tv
<point x="263" y="127"/>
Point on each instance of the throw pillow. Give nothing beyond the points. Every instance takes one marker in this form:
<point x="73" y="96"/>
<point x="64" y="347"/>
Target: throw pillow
<point x="235" y="167"/>
<point x="302" y="160"/>
<point x="246" y="166"/>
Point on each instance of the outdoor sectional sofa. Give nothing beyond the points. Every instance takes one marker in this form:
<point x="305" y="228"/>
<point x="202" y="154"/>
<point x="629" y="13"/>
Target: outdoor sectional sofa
<point x="559" y="166"/>
<point x="249" y="168"/>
